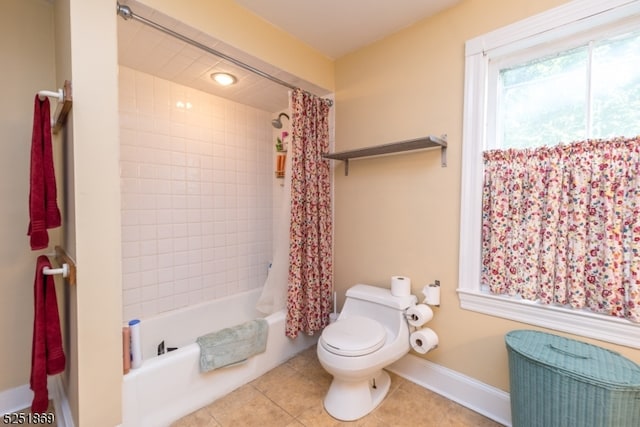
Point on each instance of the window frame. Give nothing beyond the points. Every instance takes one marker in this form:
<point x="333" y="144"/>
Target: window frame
<point x="555" y="25"/>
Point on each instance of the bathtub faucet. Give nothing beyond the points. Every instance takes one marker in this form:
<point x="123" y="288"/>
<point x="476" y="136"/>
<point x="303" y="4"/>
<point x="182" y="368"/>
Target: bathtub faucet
<point x="161" y="348"/>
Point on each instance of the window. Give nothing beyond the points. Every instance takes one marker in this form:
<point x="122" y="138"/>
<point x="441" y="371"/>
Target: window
<point x="567" y="74"/>
<point x="591" y="90"/>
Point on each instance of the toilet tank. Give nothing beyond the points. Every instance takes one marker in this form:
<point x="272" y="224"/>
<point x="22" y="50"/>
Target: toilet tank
<point x="378" y="304"/>
<point x="380" y="296"/>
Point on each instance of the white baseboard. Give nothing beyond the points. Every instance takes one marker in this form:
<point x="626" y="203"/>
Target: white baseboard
<point x="15" y="399"/>
<point x="19" y="398"/>
<point x="64" y="418"/>
<point x="473" y="394"/>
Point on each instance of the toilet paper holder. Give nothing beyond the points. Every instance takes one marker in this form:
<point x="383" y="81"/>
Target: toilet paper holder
<point x="431" y="294"/>
<point x="418" y="314"/>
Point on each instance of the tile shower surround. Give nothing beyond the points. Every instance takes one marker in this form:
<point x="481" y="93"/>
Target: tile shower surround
<point x="196" y="183"/>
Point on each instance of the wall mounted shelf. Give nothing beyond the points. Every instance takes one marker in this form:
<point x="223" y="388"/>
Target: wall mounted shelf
<point x="392" y="148"/>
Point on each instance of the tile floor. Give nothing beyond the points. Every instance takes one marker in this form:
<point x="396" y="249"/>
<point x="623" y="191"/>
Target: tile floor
<point x="291" y="395"/>
<point x="26" y="411"/>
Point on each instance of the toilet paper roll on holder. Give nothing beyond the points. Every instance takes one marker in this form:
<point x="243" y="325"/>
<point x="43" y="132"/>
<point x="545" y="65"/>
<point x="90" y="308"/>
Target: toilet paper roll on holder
<point x="431" y="294"/>
<point x="417" y="315"/>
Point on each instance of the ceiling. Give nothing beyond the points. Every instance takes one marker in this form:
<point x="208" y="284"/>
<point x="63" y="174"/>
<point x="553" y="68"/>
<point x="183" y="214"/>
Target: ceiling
<point x="333" y="27"/>
<point x="337" y="27"/>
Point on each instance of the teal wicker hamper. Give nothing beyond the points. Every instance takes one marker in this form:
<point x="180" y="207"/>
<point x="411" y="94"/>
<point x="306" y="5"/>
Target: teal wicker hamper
<point x="560" y="382"/>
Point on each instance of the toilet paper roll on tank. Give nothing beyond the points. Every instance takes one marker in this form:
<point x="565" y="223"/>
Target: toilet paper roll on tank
<point x="400" y="286"/>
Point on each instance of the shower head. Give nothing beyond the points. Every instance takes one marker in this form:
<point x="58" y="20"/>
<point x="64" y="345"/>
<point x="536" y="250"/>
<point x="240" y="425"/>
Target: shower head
<point x="276" y="123"/>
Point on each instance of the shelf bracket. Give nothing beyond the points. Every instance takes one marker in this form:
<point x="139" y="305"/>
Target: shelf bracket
<point x="443" y="156"/>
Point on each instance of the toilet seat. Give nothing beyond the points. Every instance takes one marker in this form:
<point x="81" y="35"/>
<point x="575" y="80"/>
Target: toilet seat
<point x="353" y="336"/>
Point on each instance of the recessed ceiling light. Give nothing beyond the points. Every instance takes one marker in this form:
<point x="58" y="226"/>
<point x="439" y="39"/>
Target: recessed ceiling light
<point x="224" y="79"/>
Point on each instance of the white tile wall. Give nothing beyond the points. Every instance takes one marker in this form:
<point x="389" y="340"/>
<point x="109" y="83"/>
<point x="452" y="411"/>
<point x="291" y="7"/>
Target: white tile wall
<point x="196" y="180"/>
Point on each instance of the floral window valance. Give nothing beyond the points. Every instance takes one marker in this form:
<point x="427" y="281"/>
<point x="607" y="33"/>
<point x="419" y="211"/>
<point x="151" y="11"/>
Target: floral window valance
<point x="561" y="225"/>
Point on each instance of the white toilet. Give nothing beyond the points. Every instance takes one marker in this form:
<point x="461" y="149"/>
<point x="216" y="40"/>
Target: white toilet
<point x="370" y="334"/>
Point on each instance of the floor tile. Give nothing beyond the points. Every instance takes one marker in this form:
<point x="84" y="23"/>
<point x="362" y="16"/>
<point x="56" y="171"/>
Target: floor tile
<point x="292" y="394"/>
<point x="248" y="407"/>
<point x="50" y="410"/>
<point x="200" y="418"/>
<point x="291" y="391"/>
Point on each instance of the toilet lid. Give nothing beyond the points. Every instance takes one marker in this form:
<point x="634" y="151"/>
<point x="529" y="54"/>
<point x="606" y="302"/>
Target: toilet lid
<point x="353" y="336"/>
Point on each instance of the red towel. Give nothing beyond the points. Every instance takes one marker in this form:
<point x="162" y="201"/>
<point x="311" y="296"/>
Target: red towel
<point x="43" y="207"/>
<point x="47" y="354"/>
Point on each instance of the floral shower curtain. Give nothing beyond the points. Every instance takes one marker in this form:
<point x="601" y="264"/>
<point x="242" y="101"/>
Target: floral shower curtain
<point x="561" y="225"/>
<point x="309" y="299"/>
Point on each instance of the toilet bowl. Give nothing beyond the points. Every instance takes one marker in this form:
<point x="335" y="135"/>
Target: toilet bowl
<point x="370" y="334"/>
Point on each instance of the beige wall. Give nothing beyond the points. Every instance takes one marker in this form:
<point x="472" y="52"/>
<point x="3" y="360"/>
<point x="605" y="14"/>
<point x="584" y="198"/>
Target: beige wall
<point x="400" y="214"/>
<point x="96" y="226"/>
<point x="28" y="66"/>
<point x="69" y="315"/>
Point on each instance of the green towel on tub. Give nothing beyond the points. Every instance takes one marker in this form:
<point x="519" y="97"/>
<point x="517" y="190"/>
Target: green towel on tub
<point x="232" y="345"/>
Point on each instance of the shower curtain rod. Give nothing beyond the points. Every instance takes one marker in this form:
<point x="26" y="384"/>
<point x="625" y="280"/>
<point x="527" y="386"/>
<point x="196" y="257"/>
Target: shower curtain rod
<point x="126" y="13"/>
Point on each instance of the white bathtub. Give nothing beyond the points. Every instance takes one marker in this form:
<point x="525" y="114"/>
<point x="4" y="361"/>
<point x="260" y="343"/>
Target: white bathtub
<point x="170" y="386"/>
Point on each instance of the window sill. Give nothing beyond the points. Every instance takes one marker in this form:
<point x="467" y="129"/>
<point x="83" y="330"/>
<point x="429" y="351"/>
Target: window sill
<point x="596" y="326"/>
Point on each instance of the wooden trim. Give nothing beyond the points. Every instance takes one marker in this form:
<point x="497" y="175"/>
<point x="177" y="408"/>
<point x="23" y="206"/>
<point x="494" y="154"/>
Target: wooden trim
<point x="63" y="108"/>
<point x="63" y="258"/>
